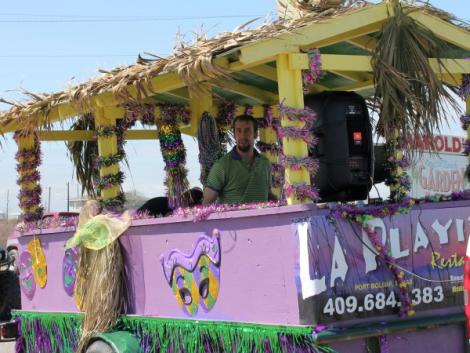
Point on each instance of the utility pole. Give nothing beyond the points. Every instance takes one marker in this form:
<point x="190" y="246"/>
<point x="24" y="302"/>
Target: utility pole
<point x="8" y="200"/>
<point x="68" y="197"/>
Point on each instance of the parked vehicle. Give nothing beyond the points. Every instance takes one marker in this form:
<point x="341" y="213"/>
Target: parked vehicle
<point x="10" y="296"/>
<point x="257" y="277"/>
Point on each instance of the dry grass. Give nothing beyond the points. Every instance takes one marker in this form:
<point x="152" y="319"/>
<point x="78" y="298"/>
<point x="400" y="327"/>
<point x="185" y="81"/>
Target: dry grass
<point x="6" y="227"/>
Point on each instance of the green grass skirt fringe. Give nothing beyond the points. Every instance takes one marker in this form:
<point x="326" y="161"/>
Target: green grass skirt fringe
<point x="60" y="332"/>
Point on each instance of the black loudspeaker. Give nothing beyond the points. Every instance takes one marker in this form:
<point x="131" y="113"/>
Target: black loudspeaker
<point x="380" y="173"/>
<point x="344" y="148"/>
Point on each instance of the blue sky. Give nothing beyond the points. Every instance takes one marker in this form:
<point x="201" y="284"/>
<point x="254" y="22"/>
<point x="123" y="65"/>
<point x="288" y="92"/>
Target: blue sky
<point x="50" y="44"/>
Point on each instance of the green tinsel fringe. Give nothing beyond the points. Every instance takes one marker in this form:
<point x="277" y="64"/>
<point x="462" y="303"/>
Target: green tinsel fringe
<point x="48" y="332"/>
<point x="60" y="332"/>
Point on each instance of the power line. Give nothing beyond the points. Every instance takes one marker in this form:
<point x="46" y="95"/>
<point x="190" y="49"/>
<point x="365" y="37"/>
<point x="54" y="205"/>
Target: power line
<point x="121" y="20"/>
<point x="48" y="56"/>
<point x="119" y="16"/>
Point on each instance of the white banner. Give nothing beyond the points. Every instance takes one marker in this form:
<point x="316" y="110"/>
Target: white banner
<point x="439" y="173"/>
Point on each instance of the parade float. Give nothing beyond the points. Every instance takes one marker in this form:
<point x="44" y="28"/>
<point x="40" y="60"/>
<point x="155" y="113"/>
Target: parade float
<point x="295" y="275"/>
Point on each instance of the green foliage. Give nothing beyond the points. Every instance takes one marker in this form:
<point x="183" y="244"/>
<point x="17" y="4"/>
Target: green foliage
<point x="83" y="154"/>
<point x="410" y="97"/>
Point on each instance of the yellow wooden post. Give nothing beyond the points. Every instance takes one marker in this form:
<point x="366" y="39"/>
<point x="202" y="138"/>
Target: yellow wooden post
<point x="201" y="101"/>
<point x="27" y="143"/>
<point x="107" y="146"/>
<point x="291" y="95"/>
<point x="268" y="136"/>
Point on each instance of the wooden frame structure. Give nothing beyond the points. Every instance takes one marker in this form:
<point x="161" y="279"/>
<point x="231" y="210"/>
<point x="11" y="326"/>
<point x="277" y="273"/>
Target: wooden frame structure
<point x="263" y="72"/>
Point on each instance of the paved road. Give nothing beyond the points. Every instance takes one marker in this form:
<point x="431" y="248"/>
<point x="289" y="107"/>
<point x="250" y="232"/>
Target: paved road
<point x="7" y="347"/>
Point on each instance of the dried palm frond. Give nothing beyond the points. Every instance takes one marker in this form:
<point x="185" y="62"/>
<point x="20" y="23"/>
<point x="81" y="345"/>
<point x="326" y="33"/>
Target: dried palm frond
<point x="308" y="6"/>
<point x="410" y="95"/>
<point x="101" y="284"/>
<point x="83" y="156"/>
<point x="194" y="61"/>
<point x="425" y="6"/>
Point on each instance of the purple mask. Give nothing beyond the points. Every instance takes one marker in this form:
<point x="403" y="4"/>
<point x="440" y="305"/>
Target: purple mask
<point x="27" y="281"/>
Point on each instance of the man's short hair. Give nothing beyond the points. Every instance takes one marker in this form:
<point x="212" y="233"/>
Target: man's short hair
<point x="245" y="117"/>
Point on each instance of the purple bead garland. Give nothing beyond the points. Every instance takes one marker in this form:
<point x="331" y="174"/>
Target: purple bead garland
<point x="28" y="160"/>
<point x="292" y="132"/>
<point x="301" y="191"/>
<point x="248" y="110"/>
<point x="278" y="175"/>
<point x="314" y="73"/>
<point x="297" y="163"/>
<point x="464" y="90"/>
<point x="465" y="121"/>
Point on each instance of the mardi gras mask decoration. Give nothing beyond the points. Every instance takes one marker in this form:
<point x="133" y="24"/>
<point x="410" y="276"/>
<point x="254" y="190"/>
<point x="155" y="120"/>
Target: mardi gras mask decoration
<point x="38" y="262"/>
<point x="69" y="269"/>
<point x="78" y="295"/>
<point x="195" y="278"/>
<point x="27" y="282"/>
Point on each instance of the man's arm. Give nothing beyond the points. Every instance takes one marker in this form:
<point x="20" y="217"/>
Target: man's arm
<point x="210" y="196"/>
<point x="271" y="196"/>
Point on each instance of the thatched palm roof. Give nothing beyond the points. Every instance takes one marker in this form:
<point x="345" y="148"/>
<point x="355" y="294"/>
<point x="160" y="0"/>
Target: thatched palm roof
<point x="204" y="60"/>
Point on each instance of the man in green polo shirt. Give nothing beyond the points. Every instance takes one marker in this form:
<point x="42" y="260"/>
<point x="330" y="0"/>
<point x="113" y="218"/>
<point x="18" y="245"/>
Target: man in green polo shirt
<point x="242" y="175"/>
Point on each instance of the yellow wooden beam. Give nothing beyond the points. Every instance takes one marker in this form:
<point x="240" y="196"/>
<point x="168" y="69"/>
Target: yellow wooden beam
<point x="265" y="71"/>
<point x="453" y="66"/>
<point x="365" y="42"/>
<point x="357" y="86"/>
<point x="252" y="92"/>
<point x="352" y="63"/>
<point x="451" y="79"/>
<point x="353" y="76"/>
<point x="141" y="135"/>
<point x="78" y="135"/>
<point x="357" y="23"/>
<point x="317" y="88"/>
<point x="53" y="116"/>
<point x="86" y="135"/>
<point x="181" y="93"/>
<point x="159" y="84"/>
<point x="362" y="63"/>
<point x="445" y="30"/>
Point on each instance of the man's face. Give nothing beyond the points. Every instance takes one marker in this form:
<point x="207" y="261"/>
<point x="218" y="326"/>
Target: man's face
<point x="244" y="135"/>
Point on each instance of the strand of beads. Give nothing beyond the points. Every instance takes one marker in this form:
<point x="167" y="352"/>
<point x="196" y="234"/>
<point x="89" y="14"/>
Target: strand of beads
<point x="110" y="180"/>
<point x="224" y="120"/>
<point x="174" y="153"/>
<point x="269" y="144"/>
<point x="28" y="160"/>
<point x="314" y="73"/>
<point x="363" y="216"/>
<point x="397" y="178"/>
<point x="301" y="191"/>
<point x="464" y="92"/>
